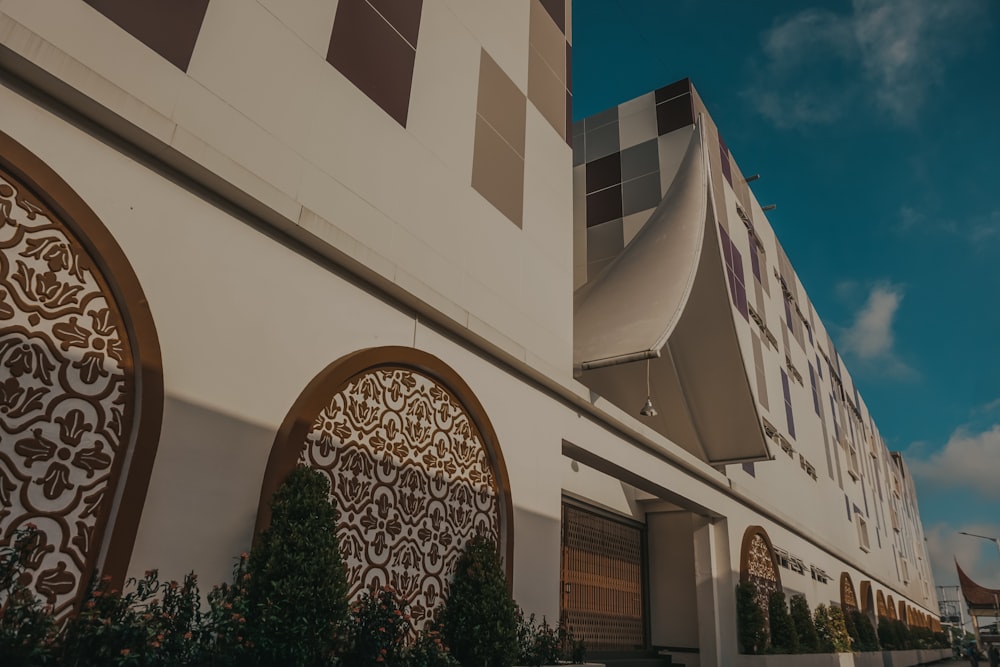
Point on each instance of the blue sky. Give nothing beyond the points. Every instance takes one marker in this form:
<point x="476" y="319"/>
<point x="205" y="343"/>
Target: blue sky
<point x="875" y="125"/>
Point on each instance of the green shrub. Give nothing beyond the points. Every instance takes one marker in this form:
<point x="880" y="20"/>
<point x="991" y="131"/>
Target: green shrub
<point x="752" y="626"/>
<point x="297" y="609"/>
<point x="867" y="639"/>
<point x="784" y="638"/>
<point x="805" y="627"/>
<point x="152" y="623"/>
<point x="429" y="650"/>
<point x="26" y="626"/>
<point x="537" y="644"/>
<point x="479" y="615"/>
<point x="379" y="630"/>
<point x="225" y="630"/>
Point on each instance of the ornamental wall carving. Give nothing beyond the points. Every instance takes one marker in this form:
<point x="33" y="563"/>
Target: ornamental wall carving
<point x="848" y="600"/>
<point x="759" y="565"/>
<point x="883" y="611"/>
<point x="77" y="349"/>
<point x="413" y="464"/>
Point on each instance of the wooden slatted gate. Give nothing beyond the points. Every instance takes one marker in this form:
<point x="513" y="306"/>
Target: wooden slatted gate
<point x="602" y="581"/>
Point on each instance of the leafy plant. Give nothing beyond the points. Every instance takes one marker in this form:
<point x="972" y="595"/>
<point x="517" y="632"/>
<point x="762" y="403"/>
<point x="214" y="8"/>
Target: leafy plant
<point x="867" y="639"/>
<point x="833" y="637"/>
<point x="784" y="639"/>
<point x="380" y="627"/>
<point x="224" y="627"/>
<point x="752" y="626"/>
<point x="538" y="644"/>
<point x="152" y="623"/>
<point x="805" y="627"/>
<point x="479" y="616"/>
<point x="297" y="589"/>
<point x="26" y="626"/>
<point x="429" y="650"/>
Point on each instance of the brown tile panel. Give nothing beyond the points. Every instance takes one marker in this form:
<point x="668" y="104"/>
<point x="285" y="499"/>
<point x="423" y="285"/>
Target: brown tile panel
<point x="604" y="205"/>
<point x="500" y="103"/>
<point x="403" y="15"/>
<point x="569" y="67"/>
<point x="373" y="56"/>
<point x="673" y="114"/>
<point x="557" y="10"/>
<point x="672" y="90"/>
<point x="569" y="119"/>
<point x="498" y="172"/>
<point x="604" y="173"/>
<point x="546" y="38"/>
<point x="168" y="27"/>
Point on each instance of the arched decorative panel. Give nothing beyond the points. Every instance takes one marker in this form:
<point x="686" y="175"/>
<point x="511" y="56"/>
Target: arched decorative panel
<point x="883" y="611"/>
<point x="414" y="466"/>
<point x="759" y="565"/>
<point x="890" y="606"/>
<point x="81" y="389"/>
<point x="848" y="600"/>
<point x="904" y="615"/>
<point x="867" y="598"/>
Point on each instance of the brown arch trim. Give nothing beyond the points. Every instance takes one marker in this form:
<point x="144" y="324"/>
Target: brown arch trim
<point x="904" y="614"/>
<point x="890" y="606"/>
<point x="848" y="600"/>
<point x="883" y="610"/>
<point x="748" y="536"/>
<point x="336" y="376"/>
<point x="867" y="598"/>
<point x="117" y="521"/>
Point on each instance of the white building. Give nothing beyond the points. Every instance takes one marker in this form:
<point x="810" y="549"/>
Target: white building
<point x="364" y="235"/>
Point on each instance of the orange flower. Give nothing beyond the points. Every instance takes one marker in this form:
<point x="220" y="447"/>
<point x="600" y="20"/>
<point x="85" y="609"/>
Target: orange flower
<point x="125" y="652"/>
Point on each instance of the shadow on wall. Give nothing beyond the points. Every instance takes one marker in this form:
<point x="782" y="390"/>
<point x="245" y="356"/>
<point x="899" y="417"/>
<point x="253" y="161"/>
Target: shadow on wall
<point x="202" y="500"/>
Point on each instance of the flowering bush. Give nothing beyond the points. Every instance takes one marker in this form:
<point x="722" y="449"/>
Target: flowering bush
<point x="381" y="627"/>
<point x="26" y="626"/>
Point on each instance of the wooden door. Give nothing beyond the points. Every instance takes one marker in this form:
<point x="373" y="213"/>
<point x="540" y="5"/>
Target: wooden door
<point x="602" y="581"/>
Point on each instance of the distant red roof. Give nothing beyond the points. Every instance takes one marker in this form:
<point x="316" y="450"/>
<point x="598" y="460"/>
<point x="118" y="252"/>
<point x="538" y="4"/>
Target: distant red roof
<point x="976" y="596"/>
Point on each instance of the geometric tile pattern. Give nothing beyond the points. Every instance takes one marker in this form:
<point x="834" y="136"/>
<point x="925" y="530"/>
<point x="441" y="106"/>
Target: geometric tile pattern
<point x="549" y="58"/>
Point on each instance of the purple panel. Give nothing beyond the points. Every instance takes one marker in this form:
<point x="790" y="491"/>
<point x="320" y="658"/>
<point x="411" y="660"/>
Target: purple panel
<point x="788" y="315"/>
<point x="748" y="468"/>
<point x="724" y="154"/>
<point x="810" y="330"/>
<point x="864" y="494"/>
<point x="741" y="300"/>
<point x="732" y="286"/>
<point x="788" y="403"/>
<point x="727" y="247"/>
<point x="848" y="504"/>
<point x="815" y="390"/>
<point x="754" y="260"/>
<point x="738" y="263"/>
<point x="819" y="367"/>
<point x="833" y="411"/>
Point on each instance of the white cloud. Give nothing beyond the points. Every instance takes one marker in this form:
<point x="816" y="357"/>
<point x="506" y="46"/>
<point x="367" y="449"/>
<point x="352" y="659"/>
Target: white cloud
<point x="967" y="461"/>
<point x="978" y="558"/>
<point x="870" y="338"/>
<point x="819" y="64"/>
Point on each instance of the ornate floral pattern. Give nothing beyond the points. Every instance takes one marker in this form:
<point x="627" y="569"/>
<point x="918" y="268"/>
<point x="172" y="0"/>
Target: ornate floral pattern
<point x="758" y="566"/>
<point x="847" y="598"/>
<point x="411" y="478"/>
<point x="65" y="391"/>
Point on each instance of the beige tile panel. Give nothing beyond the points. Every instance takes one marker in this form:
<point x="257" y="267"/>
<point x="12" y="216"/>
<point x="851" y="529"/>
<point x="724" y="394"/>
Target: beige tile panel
<point x="203" y="114"/>
<point x="501" y="26"/>
<point x="310" y="20"/>
<point x="546" y="38"/>
<point x="638" y="126"/>
<point x="498" y="172"/>
<point x="548" y="193"/>
<point x="442" y="112"/>
<point x="500" y="103"/>
<point x="631" y="224"/>
<point x="546" y="92"/>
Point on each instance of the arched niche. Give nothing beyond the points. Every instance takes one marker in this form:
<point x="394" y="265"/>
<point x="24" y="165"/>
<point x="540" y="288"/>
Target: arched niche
<point x="759" y="565"/>
<point x="81" y="386"/>
<point x="904" y="612"/>
<point x="867" y="598"/>
<point x="414" y="464"/>
<point x="848" y="600"/>
<point x="890" y="606"/>
<point x="883" y="610"/>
